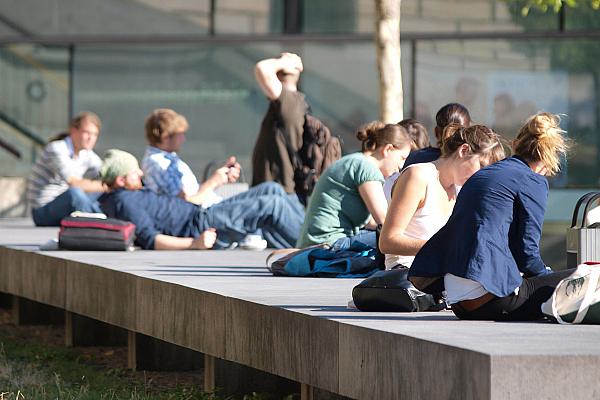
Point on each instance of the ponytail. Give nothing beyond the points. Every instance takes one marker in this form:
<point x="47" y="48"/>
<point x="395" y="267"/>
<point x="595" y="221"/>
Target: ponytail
<point x="542" y="139"/>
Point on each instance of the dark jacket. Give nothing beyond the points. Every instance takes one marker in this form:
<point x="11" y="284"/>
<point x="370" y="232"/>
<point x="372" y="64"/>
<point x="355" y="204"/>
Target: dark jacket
<point x="494" y="231"/>
<point x="424" y="155"/>
<point x="280" y="133"/>
<point x="153" y="214"/>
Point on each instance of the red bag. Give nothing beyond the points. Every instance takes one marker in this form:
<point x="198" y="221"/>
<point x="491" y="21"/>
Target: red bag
<point x="88" y="233"/>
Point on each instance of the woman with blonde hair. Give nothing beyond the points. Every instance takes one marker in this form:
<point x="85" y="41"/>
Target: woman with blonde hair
<point x="348" y="201"/>
<point x="424" y="194"/>
<point x="493" y="234"/>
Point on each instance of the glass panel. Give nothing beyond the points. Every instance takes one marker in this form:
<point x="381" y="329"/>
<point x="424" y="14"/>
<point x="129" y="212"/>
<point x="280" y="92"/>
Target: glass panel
<point x="6" y="30"/>
<point x="502" y="82"/>
<point x="338" y="16"/>
<point x="214" y="87"/>
<point x="472" y="16"/>
<point x="110" y="17"/>
<point x="34" y="94"/>
<point x="325" y="84"/>
<point x="238" y="16"/>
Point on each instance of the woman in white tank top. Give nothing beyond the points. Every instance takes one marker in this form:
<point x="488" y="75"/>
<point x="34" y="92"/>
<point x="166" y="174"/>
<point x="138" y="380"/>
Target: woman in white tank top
<point x="424" y="194"/>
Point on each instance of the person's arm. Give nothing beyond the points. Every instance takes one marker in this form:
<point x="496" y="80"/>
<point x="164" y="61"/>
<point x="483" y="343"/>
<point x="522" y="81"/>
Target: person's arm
<point x="265" y="72"/>
<point x="407" y="196"/>
<point x="60" y="161"/>
<point x="525" y="238"/>
<point x="371" y="193"/>
<point x="229" y="173"/>
<point x="87" y="185"/>
<point x="203" y="242"/>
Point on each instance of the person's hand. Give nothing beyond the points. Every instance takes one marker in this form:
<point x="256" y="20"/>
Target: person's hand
<point x="206" y="240"/>
<point x="228" y="173"/>
<point x="291" y="63"/>
<point x="235" y="170"/>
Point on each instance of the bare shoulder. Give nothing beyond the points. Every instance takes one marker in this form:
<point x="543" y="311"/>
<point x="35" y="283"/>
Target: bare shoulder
<point x="417" y="173"/>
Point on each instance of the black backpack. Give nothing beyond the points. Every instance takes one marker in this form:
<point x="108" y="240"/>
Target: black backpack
<point x="319" y="150"/>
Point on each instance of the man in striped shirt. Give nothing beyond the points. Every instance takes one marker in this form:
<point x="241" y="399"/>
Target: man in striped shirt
<point x="65" y="176"/>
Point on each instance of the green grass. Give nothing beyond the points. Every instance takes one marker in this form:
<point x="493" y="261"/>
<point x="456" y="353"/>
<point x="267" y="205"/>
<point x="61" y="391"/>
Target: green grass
<point x="30" y="371"/>
<point x="33" y="371"/>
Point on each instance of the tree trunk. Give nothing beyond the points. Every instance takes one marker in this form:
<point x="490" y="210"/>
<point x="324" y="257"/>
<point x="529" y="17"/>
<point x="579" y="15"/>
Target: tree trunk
<point x="387" y="41"/>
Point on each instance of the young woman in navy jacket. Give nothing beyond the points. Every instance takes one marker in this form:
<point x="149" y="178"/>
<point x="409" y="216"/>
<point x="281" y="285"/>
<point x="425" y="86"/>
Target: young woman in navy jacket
<point x="487" y="256"/>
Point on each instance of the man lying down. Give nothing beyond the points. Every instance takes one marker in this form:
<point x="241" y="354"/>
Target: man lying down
<point x="170" y="223"/>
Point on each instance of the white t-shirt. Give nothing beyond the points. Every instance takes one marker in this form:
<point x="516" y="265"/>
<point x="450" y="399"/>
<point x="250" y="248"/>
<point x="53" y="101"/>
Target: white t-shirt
<point x="459" y="289"/>
<point x="388" y="185"/>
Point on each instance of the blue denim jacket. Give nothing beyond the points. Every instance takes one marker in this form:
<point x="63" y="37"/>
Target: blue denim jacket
<point x="494" y="231"/>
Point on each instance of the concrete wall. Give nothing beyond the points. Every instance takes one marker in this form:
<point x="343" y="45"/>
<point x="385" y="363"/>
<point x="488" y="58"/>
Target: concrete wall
<point x="12" y="197"/>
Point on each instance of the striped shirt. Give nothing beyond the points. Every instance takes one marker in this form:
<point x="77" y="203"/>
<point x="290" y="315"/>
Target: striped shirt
<point x="53" y="168"/>
<point x="166" y="173"/>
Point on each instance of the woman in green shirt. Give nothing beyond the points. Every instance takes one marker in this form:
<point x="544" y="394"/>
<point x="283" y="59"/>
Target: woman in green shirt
<point x="348" y="201"/>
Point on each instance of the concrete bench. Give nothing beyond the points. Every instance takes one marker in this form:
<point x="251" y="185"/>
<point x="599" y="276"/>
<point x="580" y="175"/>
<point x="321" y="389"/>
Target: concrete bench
<point x="226" y="305"/>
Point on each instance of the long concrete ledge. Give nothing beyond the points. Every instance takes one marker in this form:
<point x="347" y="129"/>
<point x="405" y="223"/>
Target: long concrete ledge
<point x="227" y="305"/>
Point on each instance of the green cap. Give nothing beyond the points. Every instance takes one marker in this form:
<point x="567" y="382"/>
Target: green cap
<point x="117" y="163"/>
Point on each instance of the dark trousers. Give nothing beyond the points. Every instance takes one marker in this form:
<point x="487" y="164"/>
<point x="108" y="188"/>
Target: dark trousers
<point x="524" y="306"/>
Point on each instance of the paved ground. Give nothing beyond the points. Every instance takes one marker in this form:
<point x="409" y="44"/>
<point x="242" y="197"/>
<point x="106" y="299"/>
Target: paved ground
<point x="242" y="274"/>
<point x="520" y="353"/>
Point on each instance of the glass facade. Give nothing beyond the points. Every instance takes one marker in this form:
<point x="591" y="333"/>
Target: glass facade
<point x="108" y="17"/>
<point x="34" y="95"/>
<point x="501" y="80"/>
<point x="214" y="87"/>
<point x="248" y="17"/>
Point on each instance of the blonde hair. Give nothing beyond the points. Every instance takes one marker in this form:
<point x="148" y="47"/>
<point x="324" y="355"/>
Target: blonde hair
<point x="482" y="141"/>
<point x="376" y="134"/>
<point x="162" y="123"/>
<point x="542" y="139"/>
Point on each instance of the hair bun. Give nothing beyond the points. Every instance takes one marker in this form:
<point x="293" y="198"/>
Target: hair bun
<point x="543" y="125"/>
<point x="362" y="135"/>
<point x="542" y="139"/>
<point x="369" y="130"/>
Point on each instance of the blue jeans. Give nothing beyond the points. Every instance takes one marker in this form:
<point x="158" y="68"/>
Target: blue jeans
<point x="74" y="199"/>
<point x="264" y="209"/>
<point x="364" y="236"/>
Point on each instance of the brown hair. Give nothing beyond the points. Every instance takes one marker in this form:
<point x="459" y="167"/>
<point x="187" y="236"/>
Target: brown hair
<point x="416" y="131"/>
<point x="452" y="113"/>
<point x="541" y="139"/>
<point x="162" y="123"/>
<point x="89" y="116"/>
<point x="482" y="141"/>
<point x="376" y="134"/>
<point x="76" y="123"/>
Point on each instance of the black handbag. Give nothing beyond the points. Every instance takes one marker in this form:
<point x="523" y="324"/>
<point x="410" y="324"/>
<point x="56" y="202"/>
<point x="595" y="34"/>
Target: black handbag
<point x="392" y="291"/>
